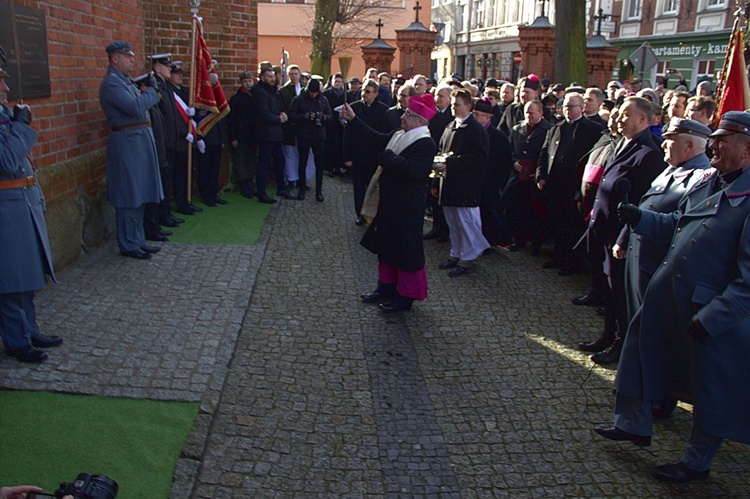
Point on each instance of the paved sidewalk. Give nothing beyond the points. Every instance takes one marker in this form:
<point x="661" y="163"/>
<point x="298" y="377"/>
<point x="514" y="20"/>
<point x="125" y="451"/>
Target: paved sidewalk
<point x="306" y="392"/>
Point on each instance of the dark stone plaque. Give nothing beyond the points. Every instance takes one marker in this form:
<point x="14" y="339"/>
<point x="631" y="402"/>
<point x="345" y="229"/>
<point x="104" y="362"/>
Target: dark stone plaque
<point x="23" y="37"/>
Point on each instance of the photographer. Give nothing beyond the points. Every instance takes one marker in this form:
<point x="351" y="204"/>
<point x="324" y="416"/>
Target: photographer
<point x="310" y="111"/>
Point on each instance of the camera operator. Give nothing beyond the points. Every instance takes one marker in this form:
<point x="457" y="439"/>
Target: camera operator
<point x="310" y="110"/>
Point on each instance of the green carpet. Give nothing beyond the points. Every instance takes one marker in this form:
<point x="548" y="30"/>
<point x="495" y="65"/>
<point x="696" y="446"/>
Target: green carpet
<point x="238" y="222"/>
<point x="47" y="438"/>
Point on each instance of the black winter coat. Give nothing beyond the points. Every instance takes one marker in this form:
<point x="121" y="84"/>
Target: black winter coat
<point x="395" y="233"/>
<point x="240" y="126"/>
<point x="469" y="143"/>
<point x="361" y="152"/>
<point x="267" y="108"/>
<point x="299" y="113"/>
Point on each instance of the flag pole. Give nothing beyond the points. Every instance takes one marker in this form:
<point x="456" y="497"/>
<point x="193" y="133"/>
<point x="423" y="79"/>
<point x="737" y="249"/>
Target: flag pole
<point x="191" y="99"/>
<point x="721" y="84"/>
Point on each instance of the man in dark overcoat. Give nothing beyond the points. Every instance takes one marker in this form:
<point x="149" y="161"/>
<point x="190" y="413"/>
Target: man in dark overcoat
<point x="25" y="255"/>
<point x="132" y="165"/>
<point x="638" y="159"/>
<point x="524" y="209"/>
<point x="465" y="146"/>
<point x="395" y="234"/>
<point x="559" y="172"/>
<point x="361" y="156"/>
<point x="241" y="135"/>
<point x="690" y="336"/>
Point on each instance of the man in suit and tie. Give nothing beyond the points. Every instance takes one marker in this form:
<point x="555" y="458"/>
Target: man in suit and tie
<point x="559" y="172"/>
<point x="639" y="159"/>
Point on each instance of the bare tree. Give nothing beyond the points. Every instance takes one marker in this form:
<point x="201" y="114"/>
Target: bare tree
<point x="570" y="41"/>
<point x="339" y="25"/>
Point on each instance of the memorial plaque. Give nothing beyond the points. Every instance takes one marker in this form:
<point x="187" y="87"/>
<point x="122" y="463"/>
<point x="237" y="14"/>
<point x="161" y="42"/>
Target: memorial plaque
<point x="23" y="37"/>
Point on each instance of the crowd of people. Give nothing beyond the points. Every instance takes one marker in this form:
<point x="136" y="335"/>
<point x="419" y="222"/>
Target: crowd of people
<point x="628" y="184"/>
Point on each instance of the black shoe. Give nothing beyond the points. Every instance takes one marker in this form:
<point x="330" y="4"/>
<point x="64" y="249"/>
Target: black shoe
<point x="433" y="234"/>
<point x="301" y="195"/>
<point x="177" y="220"/>
<point x="218" y="200"/>
<point x="360" y="220"/>
<point x="535" y="249"/>
<point x="610" y="355"/>
<point x="448" y="264"/>
<point x="397" y="304"/>
<point x="459" y="271"/>
<point x="159" y="238"/>
<point x="285" y="194"/>
<point x="169" y="223"/>
<point x="195" y="208"/>
<point x="598" y="345"/>
<point x="210" y="204"/>
<point x="614" y="433"/>
<point x="185" y="210"/>
<point x="319" y="197"/>
<point x="28" y="354"/>
<point x="266" y="200"/>
<point x="601" y="311"/>
<point x="677" y="473"/>
<point x="376" y="297"/>
<point x="137" y="254"/>
<point x="551" y="264"/>
<point x="443" y="238"/>
<point x="151" y="249"/>
<point x="43" y="341"/>
<point x="165" y="233"/>
<point x="591" y="298"/>
<point x="515" y="246"/>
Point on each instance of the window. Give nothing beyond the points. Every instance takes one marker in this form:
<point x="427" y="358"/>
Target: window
<point x="661" y="68"/>
<point x="670" y="7"/>
<point x="632" y="9"/>
<point x="711" y="5"/>
<point x="706" y="67"/>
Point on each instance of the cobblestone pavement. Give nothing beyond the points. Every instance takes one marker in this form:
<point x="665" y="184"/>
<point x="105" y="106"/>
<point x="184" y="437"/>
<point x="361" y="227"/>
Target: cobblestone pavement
<point x="476" y="392"/>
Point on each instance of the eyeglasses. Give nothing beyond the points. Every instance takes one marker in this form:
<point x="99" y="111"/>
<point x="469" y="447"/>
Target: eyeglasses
<point x="369" y="91"/>
<point x="410" y="114"/>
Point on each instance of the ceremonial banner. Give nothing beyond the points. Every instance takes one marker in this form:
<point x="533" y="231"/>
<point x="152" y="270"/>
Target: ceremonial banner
<point x="733" y="92"/>
<point x="210" y="98"/>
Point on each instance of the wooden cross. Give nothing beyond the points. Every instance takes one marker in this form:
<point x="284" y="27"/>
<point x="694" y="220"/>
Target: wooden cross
<point x="379" y="25"/>
<point x="417" y="8"/>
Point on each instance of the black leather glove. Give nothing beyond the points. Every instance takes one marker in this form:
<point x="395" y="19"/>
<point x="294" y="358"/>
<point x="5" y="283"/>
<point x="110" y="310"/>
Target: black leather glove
<point x="697" y="331"/>
<point x="628" y="214"/>
<point x="22" y="113"/>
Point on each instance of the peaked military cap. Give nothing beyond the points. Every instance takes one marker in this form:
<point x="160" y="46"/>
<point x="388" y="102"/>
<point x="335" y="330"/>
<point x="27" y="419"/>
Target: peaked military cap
<point x="245" y="75"/>
<point x="165" y="59"/>
<point x="691" y="127"/>
<point x="119" y="48"/>
<point x="733" y="122"/>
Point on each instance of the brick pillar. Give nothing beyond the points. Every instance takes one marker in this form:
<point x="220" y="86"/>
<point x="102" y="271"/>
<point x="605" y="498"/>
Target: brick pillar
<point x="601" y="58"/>
<point x="537" y="42"/>
<point x="415" y="44"/>
<point x="379" y="55"/>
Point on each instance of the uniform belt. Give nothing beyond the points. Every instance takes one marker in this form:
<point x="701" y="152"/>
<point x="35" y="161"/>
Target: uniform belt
<point x="18" y="182"/>
<point x="131" y="126"/>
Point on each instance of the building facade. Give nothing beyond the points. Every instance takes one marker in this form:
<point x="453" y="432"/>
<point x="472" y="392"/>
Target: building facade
<point x="688" y="35"/>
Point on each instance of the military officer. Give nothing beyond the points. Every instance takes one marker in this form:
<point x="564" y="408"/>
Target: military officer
<point x="25" y="255"/>
<point x="690" y="335"/>
<point x="132" y="165"/>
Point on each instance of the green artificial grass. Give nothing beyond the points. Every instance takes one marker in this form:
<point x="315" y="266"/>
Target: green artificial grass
<point x="238" y="222"/>
<point x="48" y="438"/>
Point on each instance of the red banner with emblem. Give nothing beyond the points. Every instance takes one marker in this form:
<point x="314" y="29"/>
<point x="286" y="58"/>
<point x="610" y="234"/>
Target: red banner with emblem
<point x="208" y="98"/>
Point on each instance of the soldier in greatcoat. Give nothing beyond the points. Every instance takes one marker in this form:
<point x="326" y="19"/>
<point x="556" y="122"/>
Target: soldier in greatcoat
<point x="25" y="255"/>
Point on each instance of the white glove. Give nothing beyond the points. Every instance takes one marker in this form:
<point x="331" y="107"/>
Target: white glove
<point x="201" y="146"/>
<point x="189" y="137"/>
<point x="190" y="111"/>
